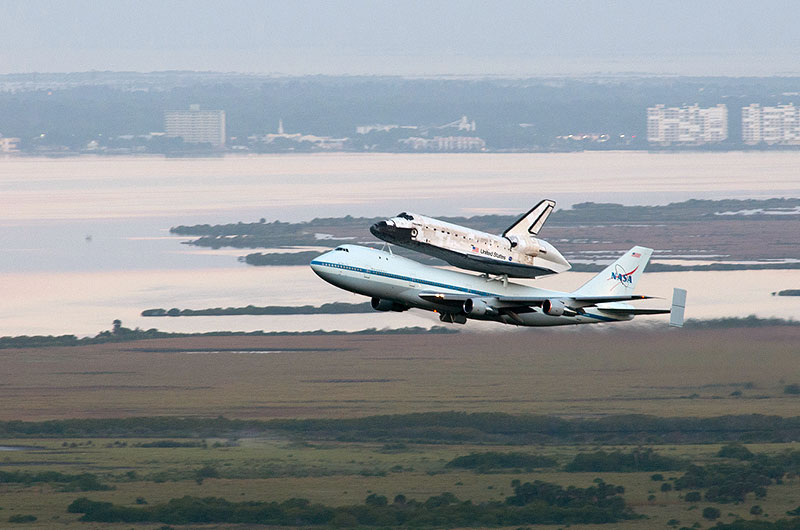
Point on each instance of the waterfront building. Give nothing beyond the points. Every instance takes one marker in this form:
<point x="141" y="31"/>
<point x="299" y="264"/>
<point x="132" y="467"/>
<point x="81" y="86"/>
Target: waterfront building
<point x="196" y="126"/>
<point x="771" y="125"/>
<point x="689" y="125"/>
<point x="445" y="143"/>
<point x="284" y="139"/>
<point x="9" y="145"/>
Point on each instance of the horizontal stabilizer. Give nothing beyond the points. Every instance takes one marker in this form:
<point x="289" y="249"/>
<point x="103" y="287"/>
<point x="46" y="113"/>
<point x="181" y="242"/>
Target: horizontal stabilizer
<point x="678" y="308"/>
<point x="632" y="311"/>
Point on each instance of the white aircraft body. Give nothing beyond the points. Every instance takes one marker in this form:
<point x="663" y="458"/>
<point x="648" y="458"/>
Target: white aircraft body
<point x="516" y="253"/>
<point x="397" y="284"/>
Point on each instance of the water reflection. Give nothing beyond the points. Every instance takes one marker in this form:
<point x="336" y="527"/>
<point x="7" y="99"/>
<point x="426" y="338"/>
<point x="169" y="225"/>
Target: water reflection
<point x="296" y="187"/>
<point x="84" y="241"/>
<point x="86" y="303"/>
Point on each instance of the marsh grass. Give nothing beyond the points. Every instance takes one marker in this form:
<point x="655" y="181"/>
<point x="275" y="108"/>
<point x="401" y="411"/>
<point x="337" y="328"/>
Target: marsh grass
<point x="424" y="473"/>
<point x="570" y="373"/>
<point x="567" y="372"/>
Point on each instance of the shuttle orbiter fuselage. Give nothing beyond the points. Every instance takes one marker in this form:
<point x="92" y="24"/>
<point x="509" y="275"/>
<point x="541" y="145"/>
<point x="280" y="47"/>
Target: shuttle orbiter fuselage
<point x="516" y="253"/>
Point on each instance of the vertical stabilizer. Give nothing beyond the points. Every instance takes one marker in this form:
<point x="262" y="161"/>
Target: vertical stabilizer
<point x="620" y="277"/>
<point x="678" y="308"/>
<point x="533" y="221"/>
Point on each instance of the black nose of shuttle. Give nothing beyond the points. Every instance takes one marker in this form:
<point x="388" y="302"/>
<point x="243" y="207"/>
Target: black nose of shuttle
<point x="390" y="233"/>
<point x="380" y="230"/>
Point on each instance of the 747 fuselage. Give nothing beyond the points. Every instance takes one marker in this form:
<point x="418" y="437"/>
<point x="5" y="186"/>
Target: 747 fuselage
<point x="395" y="283"/>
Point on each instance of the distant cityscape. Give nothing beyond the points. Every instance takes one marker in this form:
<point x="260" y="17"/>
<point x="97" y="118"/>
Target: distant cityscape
<point x="692" y="125"/>
<point x="292" y="117"/>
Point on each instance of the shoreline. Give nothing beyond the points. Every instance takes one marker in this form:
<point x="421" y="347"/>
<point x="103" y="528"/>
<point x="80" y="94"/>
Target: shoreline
<point x="788" y="151"/>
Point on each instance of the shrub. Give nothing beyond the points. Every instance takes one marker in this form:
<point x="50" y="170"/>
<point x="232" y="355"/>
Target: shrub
<point x="494" y="460"/>
<point x="727" y="482"/>
<point x="344" y="520"/>
<point x="536" y="503"/>
<point x="168" y="444"/>
<point x="692" y="496"/>
<point x="19" y="518"/>
<point x="645" y="460"/>
<point x="207" y="471"/>
<point x="376" y="500"/>
<point x="737" y="451"/>
<point x="81" y="482"/>
<point x="711" y="513"/>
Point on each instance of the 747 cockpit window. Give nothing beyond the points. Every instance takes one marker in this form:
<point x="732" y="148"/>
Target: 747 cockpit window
<point x="405" y="216"/>
<point x="341" y="249"/>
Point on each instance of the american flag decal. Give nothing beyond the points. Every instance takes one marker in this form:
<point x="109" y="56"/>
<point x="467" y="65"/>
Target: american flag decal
<point x="636" y="255"/>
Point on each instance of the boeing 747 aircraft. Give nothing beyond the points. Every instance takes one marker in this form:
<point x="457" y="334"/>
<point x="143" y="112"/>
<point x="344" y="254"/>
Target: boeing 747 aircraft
<point x="517" y="253"/>
<point x="397" y="284"/>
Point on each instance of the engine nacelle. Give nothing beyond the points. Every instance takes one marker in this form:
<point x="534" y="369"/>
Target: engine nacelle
<point x="554" y="308"/>
<point x="478" y="307"/>
<point x="380" y="304"/>
<point x="525" y="245"/>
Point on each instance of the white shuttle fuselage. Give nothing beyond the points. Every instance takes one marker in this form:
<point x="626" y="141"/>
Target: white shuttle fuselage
<point x="516" y="253"/>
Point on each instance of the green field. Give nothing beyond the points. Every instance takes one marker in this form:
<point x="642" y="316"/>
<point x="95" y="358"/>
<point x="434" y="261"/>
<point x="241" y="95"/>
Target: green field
<point x="333" y="474"/>
<point x="565" y="373"/>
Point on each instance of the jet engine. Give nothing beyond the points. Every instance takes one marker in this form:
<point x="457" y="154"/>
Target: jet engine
<point x="379" y="304"/>
<point x="476" y="306"/>
<point x="554" y="308"/>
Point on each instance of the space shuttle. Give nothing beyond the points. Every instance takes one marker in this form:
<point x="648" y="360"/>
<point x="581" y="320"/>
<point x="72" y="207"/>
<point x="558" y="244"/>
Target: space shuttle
<point x="516" y="253"/>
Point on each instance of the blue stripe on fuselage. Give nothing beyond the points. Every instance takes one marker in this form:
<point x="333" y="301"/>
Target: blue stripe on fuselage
<point x="401" y="277"/>
<point x="434" y="284"/>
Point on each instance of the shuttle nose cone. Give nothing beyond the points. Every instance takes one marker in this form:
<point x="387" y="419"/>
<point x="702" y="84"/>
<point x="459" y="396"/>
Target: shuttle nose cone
<point x="379" y="229"/>
<point x="390" y="232"/>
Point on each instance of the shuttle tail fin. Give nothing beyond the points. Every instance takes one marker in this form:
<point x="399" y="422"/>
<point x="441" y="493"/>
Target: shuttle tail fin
<point x="531" y="223"/>
<point x="620" y="277"/>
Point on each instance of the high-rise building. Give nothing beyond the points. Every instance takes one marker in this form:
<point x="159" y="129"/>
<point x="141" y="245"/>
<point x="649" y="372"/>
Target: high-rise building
<point x="772" y="125"/>
<point x="9" y="145"/>
<point x="196" y="126"/>
<point x="690" y="125"/>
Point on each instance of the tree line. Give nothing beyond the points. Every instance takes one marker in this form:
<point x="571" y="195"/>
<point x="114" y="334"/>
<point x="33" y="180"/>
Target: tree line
<point x="532" y="503"/>
<point x="333" y="308"/>
<point x="68" y="482"/>
<point x="437" y="427"/>
<point x="130" y="335"/>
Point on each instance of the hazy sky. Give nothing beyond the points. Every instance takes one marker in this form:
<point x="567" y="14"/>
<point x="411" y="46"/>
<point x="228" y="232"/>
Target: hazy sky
<point x="409" y="37"/>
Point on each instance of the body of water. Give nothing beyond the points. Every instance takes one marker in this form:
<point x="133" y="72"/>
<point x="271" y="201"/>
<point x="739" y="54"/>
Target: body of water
<point x="84" y="241"/>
